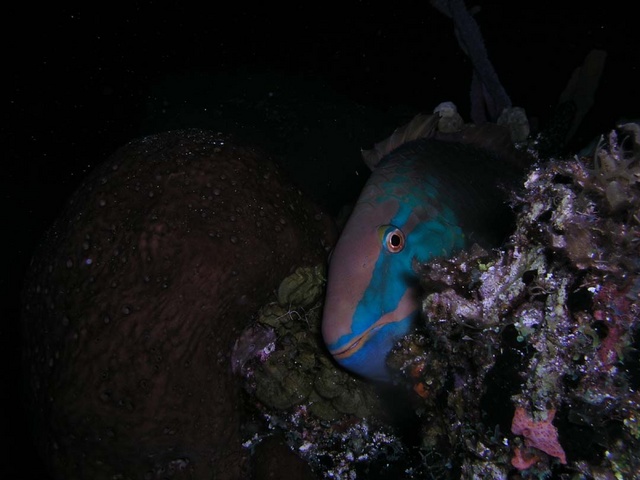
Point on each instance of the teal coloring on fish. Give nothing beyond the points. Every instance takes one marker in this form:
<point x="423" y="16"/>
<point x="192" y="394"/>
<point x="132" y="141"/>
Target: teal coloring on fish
<point x="425" y="199"/>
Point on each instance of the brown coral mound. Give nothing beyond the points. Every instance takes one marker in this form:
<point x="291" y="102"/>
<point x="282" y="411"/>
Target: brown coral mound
<point x="136" y="296"/>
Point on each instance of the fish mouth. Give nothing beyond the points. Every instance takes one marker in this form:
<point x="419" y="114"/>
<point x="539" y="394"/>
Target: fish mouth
<point x="396" y="320"/>
<point x="357" y="342"/>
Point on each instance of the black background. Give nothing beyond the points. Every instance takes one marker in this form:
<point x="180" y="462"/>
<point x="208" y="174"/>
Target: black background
<point x="81" y="81"/>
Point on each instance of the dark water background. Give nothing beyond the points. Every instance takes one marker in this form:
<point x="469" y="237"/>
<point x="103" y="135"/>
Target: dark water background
<point x="311" y="84"/>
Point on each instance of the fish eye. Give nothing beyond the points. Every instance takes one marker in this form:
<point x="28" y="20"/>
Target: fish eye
<point x="393" y="239"/>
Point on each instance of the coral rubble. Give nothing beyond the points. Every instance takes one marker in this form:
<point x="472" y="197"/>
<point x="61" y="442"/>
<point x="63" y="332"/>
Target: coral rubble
<point x="548" y="324"/>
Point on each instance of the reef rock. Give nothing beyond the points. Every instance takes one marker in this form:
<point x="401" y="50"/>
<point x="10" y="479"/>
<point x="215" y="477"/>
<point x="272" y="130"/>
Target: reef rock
<point x="135" y="298"/>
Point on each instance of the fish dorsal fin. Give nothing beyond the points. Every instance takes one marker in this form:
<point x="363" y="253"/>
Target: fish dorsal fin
<point x="421" y="126"/>
<point x="490" y="137"/>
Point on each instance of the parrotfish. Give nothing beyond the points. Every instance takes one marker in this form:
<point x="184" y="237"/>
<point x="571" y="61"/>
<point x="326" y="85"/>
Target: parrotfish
<point x="427" y="197"/>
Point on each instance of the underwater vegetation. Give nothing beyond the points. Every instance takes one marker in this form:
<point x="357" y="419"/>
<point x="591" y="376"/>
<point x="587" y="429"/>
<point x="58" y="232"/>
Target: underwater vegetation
<point x="525" y="361"/>
<point x="329" y="417"/>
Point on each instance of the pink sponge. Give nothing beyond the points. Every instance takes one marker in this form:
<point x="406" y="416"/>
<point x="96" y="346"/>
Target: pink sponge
<point x="540" y="434"/>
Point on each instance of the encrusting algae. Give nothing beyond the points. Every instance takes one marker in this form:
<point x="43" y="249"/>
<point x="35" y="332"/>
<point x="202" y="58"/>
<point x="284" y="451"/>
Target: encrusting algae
<point x="332" y="419"/>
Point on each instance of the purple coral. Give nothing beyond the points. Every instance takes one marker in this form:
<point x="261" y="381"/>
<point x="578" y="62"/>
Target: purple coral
<point x="550" y="323"/>
<point x="613" y="307"/>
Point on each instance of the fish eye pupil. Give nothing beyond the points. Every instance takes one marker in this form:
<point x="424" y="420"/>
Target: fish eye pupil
<point x="395" y="241"/>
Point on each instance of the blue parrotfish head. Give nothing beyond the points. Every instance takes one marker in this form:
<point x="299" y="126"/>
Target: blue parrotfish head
<point x="372" y="291"/>
<point x="427" y="198"/>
